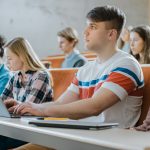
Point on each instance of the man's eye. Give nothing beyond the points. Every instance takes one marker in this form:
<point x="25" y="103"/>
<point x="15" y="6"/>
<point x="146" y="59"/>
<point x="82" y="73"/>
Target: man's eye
<point x="93" y="27"/>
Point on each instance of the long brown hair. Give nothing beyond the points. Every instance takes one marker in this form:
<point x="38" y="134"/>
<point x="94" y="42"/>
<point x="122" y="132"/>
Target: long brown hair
<point x="144" y="33"/>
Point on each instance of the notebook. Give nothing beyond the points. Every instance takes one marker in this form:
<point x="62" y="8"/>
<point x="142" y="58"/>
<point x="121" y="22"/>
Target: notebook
<point x="73" y="124"/>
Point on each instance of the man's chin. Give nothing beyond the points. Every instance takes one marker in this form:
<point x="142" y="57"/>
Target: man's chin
<point x="87" y="47"/>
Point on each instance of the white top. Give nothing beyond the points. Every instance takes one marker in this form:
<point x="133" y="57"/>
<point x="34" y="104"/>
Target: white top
<point x="122" y="75"/>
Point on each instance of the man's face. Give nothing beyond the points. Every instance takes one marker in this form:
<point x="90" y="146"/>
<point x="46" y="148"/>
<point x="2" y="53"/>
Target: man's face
<point x="96" y="35"/>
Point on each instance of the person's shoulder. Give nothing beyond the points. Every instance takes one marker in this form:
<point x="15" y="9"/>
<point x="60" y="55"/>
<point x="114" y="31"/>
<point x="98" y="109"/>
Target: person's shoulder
<point x="41" y="74"/>
<point x="125" y="58"/>
<point x="127" y="62"/>
<point x="79" y="56"/>
<point x="86" y="67"/>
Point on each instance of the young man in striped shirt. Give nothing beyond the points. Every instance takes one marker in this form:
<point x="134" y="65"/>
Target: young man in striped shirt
<point x="111" y="86"/>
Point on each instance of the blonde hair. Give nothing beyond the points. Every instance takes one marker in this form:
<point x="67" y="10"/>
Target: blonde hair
<point x="23" y="49"/>
<point x="69" y="34"/>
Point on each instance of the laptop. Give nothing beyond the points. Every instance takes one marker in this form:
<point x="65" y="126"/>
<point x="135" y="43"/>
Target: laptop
<point x="5" y="113"/>
<point x="73" y="124"/>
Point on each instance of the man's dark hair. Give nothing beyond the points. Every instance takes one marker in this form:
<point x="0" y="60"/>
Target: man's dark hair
<point x="110" y="14"/>
<point x="2" y="42"/>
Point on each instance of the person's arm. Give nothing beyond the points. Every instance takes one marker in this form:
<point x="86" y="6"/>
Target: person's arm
<point x="101" y="100"/>
<point x="75" y="110"/>
<point x="3" y="84"/>
<point x="7" y="92"/>
<point x="37" y="109"/>
<point x="117" y="87"/>
<point x="146" y="123"/>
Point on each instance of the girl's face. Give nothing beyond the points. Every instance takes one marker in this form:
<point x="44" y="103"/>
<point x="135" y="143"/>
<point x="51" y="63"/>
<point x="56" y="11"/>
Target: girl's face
<point x="136" y="43"/>
<point x="13" y="61"/>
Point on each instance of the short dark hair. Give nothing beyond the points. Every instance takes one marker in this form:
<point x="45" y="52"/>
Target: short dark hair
<point x="111" y="14"/>
<point x="2" y="42"/>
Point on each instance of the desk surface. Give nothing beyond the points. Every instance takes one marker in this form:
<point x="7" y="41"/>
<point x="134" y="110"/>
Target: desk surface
<point x="75" y="139"/>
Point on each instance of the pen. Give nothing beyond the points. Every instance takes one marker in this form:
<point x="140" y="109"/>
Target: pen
<point x="52" y="118"/>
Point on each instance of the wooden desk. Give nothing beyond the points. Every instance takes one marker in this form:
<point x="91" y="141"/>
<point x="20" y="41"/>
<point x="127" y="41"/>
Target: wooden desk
<point x="69" y="139"/>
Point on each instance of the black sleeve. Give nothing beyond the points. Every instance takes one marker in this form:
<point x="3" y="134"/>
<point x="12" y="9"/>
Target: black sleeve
<point x="79" y="63"/>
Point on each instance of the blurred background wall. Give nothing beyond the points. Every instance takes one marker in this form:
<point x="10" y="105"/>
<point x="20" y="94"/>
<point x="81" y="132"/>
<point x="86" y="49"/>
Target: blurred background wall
<point x="40" y="20"/>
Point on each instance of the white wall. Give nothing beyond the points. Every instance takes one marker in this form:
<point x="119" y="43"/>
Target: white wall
<point x="149" y="12"/>
<point x="39" y="20"/>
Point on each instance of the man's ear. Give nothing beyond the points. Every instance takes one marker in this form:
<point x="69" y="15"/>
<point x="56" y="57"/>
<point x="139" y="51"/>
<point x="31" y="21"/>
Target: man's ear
<point x="112" y="35"/>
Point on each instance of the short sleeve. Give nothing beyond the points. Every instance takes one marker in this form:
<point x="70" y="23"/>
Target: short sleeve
<point x="123" y="81"/>
<point x="74" y="86"/>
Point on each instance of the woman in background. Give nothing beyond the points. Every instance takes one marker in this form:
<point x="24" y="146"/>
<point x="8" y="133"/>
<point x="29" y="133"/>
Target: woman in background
<point x="140" y="43"/>
<point x="140" y="48"/>
<point x="68" y="40"/>
<point x="30" y="82"/>
<point x="4" y="72"/>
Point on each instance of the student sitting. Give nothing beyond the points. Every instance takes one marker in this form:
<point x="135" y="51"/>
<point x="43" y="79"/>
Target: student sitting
<point x="4" y="72"/>
<point x="68" y="39"/>
<point x="108" y="85"/>
<point x="140" y="44"/>
<point x="140" y="48"/>
<point x="30" y="83"/>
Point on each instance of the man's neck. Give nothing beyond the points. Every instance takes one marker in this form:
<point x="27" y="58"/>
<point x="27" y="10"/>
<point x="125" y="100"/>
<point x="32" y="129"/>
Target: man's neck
<point x="106" y="53"/>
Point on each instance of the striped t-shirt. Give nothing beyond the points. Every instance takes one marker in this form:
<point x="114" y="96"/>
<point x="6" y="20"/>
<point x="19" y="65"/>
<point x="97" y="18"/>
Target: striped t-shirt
<point x="122" y="75"/>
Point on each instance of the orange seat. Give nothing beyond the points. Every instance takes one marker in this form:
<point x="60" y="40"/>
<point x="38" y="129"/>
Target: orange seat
<point x="61" y="80"/>
<point x="55" y="61"/>
<point x="146" y="98"/>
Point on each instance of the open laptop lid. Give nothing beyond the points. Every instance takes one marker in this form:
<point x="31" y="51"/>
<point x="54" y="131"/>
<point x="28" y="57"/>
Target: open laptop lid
<point x="73" y="124"/>
<point x="3" y="110"/>
<point x="5" y="113"/>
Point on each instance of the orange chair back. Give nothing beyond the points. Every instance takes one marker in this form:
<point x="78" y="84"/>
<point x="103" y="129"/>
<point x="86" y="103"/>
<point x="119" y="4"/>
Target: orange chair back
<point x="146" y="98"/>
<point x="55" y="61"/>
<point x="61" y="80"/>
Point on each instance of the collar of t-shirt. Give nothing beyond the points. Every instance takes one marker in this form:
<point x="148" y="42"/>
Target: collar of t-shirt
<point x="109" y="59"/>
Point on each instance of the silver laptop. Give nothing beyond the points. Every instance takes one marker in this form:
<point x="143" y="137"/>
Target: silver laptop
<point x="4" y="111"/>
<point x="73" y="124"/>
